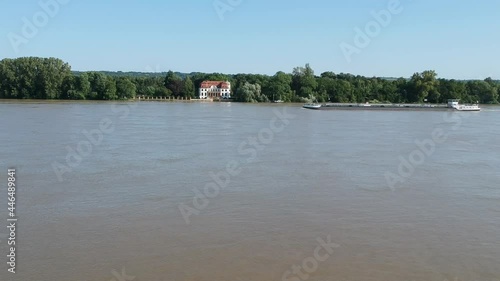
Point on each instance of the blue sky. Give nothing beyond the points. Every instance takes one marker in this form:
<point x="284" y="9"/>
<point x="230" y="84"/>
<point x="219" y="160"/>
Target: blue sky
<point x="458" y="39"/>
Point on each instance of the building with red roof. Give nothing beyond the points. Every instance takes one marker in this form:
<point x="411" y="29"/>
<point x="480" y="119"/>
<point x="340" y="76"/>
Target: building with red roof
<point x="215" y="89"/>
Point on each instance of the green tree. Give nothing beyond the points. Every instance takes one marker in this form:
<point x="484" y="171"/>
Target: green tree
<point x="174" y="83"/>
<point x="75" y="87"/>
<point x="403" y="90"/>
<point x="342" y="91"/>
<point x="304" y="83"/>
<point x="382" y="90"/>
<point x="279" y="87"/>
<point x="32" y="77"/>
<point x="452" y="89"/>
<point x="152" y="87"/>
<point x="250" y="93"/>
<point x="482" y="92"/>
<point x="82" y="85"/>
<point x="68" y="90"/>
<point x="9" y="87"/>
<point x="110" y="90"/>
<point x="424" y="85"/>
<point x="326" y="87"/>
<point x="125" y="88"/>
<point x="102" y="87"/>
<point x="188" y="90"/>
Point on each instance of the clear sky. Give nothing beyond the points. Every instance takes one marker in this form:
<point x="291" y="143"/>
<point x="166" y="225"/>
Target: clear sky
<point x="458" y="39"/>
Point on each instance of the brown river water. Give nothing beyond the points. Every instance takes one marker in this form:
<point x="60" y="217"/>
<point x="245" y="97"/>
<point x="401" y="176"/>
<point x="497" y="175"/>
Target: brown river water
<point x="155" y="191"/>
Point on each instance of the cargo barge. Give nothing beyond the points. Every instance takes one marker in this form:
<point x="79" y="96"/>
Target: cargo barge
<point x="452" y="105"/>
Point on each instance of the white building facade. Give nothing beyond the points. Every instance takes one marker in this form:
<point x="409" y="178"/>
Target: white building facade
<point x="215" y="89"/>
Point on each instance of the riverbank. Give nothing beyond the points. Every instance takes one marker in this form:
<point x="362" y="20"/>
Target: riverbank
<point x="173" y="100"/>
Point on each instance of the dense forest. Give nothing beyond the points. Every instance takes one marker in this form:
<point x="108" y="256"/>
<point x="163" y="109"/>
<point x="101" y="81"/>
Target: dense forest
<point x="51" y="78"/>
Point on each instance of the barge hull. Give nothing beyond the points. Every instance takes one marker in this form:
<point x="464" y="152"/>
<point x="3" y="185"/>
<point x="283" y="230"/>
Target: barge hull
<point x="383" y="107"/>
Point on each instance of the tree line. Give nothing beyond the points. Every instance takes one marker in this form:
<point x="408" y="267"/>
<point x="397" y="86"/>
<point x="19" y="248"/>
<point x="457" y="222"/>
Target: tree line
<point x="52" y="78"/>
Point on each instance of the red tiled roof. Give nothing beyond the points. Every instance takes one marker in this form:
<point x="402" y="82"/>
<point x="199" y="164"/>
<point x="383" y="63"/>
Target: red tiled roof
<point x="218" y="84"/>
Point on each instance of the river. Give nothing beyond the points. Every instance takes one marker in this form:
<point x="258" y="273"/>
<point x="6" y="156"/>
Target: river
<point x="154" y="191"/>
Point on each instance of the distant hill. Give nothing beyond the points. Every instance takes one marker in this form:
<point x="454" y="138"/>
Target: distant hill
<point x="192" y="74"/>
<point x="137" y="74"/>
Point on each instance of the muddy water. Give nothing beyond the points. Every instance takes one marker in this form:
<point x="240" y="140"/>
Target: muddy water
<point x="101" y="187"/>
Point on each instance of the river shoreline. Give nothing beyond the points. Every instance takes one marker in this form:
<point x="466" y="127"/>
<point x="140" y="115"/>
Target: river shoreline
<point x="191" y="101"/>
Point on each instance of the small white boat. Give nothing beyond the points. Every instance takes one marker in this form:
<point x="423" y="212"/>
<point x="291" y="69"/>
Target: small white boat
<point x="473" y="107"/>
<point x="312" y="106"/>
<point x="463" y="107"/>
